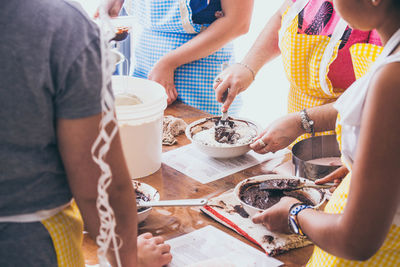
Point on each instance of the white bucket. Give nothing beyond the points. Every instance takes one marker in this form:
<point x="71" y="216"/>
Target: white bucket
<point x="141" y="125"/>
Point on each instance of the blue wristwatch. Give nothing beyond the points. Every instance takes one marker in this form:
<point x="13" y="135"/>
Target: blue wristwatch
<point x="292" y="218"/>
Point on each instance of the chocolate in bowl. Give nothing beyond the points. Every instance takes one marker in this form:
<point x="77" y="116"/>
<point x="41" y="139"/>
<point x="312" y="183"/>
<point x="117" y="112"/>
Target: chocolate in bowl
<point x="228" y="139"/>
<point x="144" y="192"/>
<point x="252" y="195"/>
<point x="255" y="200"/>
<point x="141" y="196"/>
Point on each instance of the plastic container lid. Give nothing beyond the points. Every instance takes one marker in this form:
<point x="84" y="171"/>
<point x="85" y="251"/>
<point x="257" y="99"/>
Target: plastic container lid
<point x="152" y="95"/>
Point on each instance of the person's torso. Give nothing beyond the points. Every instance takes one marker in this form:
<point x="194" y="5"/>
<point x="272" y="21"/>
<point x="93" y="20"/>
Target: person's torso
<point x="315" y="49"/>
<point x="168" y="25"/>
<point x="37" y="48"/>
<point x="176" y="16"/>
<point x="350" y="108"/>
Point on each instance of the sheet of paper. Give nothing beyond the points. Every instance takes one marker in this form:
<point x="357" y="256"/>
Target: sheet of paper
<point x="209" y="246"/>
<point x="204" y="169"/>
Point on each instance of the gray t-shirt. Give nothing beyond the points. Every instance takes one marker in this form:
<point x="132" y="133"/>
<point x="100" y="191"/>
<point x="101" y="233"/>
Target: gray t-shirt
<point x="49" y="69"/>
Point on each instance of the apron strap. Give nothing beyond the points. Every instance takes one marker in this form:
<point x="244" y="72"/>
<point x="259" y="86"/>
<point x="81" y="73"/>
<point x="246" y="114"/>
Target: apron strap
<point x="183" y="10"/>
<point x="294" y="10"/>
<point x="35" y="216"/>
<point x="340" y="28"/>
<point x="326" y="57"/>
<point x="350" y="103"/>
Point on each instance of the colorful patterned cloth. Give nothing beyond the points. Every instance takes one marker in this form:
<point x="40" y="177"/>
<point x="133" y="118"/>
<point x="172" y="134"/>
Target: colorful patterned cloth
<point x="168" y="25"/>
<point x="304" y="41"/>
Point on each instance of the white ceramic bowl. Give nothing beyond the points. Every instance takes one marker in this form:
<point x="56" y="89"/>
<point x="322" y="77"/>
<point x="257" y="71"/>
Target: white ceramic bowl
<point x="317" y="196"/>
<point x="151" y="193"/>
<point x="225" y="151"/>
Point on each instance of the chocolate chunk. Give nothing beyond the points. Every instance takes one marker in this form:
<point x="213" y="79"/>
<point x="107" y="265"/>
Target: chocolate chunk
<point x="225" y="132"/>
<point x="280" y="184"/>
<point x="268" y="238"/>
<point x="253" y="195"/>
<point x="141" y="196"/>
<point x="240" y="210"/>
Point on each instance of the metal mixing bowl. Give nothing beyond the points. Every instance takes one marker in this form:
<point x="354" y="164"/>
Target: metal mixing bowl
<point x="314" y="148"/>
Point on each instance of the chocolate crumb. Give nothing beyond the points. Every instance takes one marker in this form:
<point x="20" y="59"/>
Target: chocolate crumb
<point x="141" y="196"/>
<point x="268" y="238"/>
<point x="239" y="210"/>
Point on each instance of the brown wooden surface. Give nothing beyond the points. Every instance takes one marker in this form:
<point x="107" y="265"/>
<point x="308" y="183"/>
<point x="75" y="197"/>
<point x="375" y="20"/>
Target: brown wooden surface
<point x="171" y="222"/>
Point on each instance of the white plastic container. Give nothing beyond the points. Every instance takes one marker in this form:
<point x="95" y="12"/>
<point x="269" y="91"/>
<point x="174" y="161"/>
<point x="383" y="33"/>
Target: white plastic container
<point x="140" y="125"/>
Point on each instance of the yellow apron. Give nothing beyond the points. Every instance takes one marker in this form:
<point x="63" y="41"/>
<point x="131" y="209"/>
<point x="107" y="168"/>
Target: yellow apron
<point x="65" y="227"/>
<point x="66" y="231"/>
<point x="388" y="255"/>
<point x="306" y="60"/>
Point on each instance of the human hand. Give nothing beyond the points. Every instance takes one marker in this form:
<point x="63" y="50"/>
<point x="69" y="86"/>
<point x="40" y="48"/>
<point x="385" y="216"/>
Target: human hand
<point x="152" y="251"/>
<point x="164" y="74"/>
<point x="336" y="176"/>
<point x="113" y="7"/>
<point x="275" y="219"/>
<point x="278" y="135"/>
<point x="237" y="78"/>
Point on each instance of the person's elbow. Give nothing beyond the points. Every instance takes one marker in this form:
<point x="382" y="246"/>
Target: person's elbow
<point x="242" y="27"/>
<point x="360" y="252"/>
<point x="360" y="248"/>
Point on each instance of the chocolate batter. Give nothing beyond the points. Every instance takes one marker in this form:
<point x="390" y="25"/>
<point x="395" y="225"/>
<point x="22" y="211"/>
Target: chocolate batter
<point x="225" y="132"/>
<point x="240" y="210"/>
<point x="141" y="196"/>
<point x="251" y="194"/>
<point x="280" y="184"/>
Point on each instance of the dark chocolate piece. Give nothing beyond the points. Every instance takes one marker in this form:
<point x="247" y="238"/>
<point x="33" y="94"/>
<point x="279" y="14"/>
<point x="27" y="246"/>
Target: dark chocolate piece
<point x="141" y="196"/>
<point x="280" y="184"/>
<point x="121" y="34"/>
<point x="224" y="131"/>
<point x="268" y="238"/>
<point x="240" y="210"/>
<point x="253" y="195"/>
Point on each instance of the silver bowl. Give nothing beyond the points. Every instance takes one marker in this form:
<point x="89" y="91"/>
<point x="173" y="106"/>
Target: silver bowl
<point x="223" y="150"/>
<point x="314" y="148"/>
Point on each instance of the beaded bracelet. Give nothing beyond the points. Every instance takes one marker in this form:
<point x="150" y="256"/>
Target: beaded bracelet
<point x="292" y="217"/>
<point x="249" y="68"/>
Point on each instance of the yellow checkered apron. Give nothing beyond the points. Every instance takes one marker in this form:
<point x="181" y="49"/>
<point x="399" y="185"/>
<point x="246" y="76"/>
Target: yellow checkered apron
<point x="66" y="231"/>
<point x="302" y="55"/>
<point x="388" y="255"/>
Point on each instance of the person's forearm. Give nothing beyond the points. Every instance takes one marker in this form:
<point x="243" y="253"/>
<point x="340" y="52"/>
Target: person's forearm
<point x="266" y="46"/>
<point x="123" y="202"/>
<point x="223" y="30"/>
<point x="75" y="139"/>
<point x="322" y="229"/>
<point x="324" y="117"/>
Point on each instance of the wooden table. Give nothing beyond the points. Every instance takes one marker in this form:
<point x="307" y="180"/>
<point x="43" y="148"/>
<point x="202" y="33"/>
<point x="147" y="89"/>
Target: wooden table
<point x="171" y="222"/>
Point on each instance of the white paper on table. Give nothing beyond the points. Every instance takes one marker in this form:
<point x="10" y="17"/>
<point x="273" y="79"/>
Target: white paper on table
<point x="209" y="246"/>
<point x="204" y="169"/>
